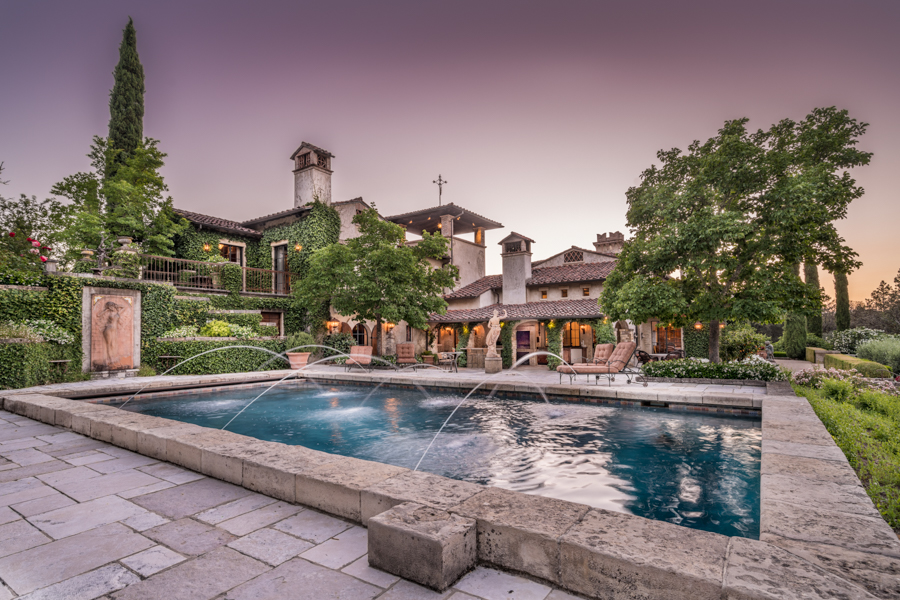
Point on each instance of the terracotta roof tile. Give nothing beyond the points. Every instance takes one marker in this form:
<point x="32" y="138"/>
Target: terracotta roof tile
<point x="543" y="276"/>
<point x="217" y="223"/>
<point x="585" y="308"/>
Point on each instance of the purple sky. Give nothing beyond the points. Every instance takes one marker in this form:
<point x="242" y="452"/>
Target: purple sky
<point x="540" y="114"/>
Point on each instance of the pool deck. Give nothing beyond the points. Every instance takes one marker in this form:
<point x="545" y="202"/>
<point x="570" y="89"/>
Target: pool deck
<point x="119" y="505"/>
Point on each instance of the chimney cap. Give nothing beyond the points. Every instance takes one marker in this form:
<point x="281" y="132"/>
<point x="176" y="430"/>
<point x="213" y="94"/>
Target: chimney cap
<point x="308" y="146"/>
<point x="516" y="236"/>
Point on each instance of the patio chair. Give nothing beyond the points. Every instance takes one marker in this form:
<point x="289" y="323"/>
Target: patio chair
<point x="644" y="358"/>
<point x="448" y="358"/>
<point x="618" y="364"/>
<point x="406" y="354"/>
<point x="601" y="354"/>
<point x="360" y="356"/>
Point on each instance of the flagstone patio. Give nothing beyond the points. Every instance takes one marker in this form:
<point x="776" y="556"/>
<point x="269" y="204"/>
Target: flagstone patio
<point x="82" y="519"/>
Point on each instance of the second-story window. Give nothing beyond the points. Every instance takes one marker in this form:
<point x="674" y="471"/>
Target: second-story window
<point x="586" y="291"/>
<point x="564" y="292"/>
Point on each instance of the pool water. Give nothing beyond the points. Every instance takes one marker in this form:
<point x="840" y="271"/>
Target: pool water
<point x="698" y="470"/>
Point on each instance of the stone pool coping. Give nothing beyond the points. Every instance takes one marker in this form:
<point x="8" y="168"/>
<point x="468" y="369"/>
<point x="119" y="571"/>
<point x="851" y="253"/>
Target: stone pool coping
<point x="820" y="535"/>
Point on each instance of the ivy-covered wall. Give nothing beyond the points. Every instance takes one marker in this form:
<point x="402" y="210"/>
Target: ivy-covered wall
<point x="696" y="342"/>
<point x="24" y="365"/>
<point x="234" y="360"/>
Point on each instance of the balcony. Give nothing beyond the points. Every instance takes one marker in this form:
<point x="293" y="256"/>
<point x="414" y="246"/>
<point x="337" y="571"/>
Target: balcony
<point x="206" y="276"/>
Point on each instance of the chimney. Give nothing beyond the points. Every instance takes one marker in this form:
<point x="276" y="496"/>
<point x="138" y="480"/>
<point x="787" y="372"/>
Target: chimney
<point x="516" y="254"/>
<point x="312" y="174"/>
<point x="610" y="243"/>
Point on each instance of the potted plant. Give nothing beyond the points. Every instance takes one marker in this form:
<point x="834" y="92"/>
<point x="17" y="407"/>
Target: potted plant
<point x="299" y="341"/>
<point x="428" y="357"/>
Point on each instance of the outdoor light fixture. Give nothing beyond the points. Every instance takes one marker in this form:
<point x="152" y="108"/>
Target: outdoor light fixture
<point x="721" y="325"/>
<point x="389" y="326"/>
<point x="698" y="325"/>
<point x="298" y="247"/>
<point x="221" y="246"/>
<point x="439" y="225"/>
<point x="206" y="247"/>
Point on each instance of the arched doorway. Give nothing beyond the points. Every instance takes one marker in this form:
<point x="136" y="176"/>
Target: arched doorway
<point x="361" y="335"/>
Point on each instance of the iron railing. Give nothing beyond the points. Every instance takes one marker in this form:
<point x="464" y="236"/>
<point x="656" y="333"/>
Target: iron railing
<point x="197" y="274"/>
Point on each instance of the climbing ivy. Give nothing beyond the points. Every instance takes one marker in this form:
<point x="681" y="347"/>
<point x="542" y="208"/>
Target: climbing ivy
<point x="696" y="342"/>
<point x="462" y="335"/>
<point x="189" y="245"/>
<point x="507" y="353"/>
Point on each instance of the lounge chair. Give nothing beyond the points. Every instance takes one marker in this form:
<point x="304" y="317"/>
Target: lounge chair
<point x="601" y="354"/>
<point x="618" y="364"/>
<point x="406" y="354"/>
<point x="360" y="356"/>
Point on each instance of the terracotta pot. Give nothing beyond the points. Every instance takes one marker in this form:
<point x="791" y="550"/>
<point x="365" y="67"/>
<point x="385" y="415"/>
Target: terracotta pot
<point x="428" y="359"/>
<point x="298" y="359"/>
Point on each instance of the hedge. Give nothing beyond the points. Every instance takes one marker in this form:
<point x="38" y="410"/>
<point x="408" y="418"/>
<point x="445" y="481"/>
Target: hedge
<point x="867" y="368"/>
<point x="24" y="365"/>
<point x="811" y="353"/>
<point x="236" y="360"/>
<point x="689" y="368"/>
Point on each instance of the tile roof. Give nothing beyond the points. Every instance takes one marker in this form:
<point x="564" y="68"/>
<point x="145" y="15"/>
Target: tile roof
<point x="543" y="276"/>
<point x="542" y="261"/>
<point x="284" y="213"/>
<point x="219" y="224"/>
<point x="572" y="272"/>
<point x="316" y="149"/>
<point x="585" y="308"/>
<point x="477" y="288"/>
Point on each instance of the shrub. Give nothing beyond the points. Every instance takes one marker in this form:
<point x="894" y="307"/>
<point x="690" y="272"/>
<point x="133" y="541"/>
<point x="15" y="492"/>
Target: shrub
<point x="814" y="341"/>
<point x="754" y="368"/>
<point x="50" y="331"/>
<point x="24" y="365"/>
<point x="815" y="378"/>
<point x="604" y="333"/>
<point x="338" y="343"/>
<point x="19" y="331"/>
<point x="231" y="277"/>
<point x="740" y="342"/>
<point x="185" y="331"/>
<point x="795" y="336"/>
<point x="848" y="340"/>
<point x="838" y="390"/>
<point x="696" y="342"/>
<point x="885" y="351"/>
<point x="146" y="371"/>
<point x="241" y="331"/>
<point x="299" y="341"/>
<point x="215" y="328"/>
<point x="865" y="367"/>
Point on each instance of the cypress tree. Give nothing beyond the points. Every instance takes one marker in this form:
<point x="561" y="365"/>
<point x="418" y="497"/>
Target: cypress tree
<point x="841" y="301"/>
<point x="814" y="320"/>
<point x="126" y="99"/>
<point x="795" y="331"/>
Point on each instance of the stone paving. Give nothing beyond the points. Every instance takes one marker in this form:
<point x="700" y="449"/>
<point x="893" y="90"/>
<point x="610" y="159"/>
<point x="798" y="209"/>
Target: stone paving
<point x="82" y="519"/>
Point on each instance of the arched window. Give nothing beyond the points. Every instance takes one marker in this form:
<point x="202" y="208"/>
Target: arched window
<point x="361" y="335"/>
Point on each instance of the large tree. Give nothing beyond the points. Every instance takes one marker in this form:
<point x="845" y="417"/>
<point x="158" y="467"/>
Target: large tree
<point x="378" y="277"/>
<point x="718" y="230"/>
<point x="841" y="300"/>
<point x="126" y="101"/>
<point x="130" y="203"/>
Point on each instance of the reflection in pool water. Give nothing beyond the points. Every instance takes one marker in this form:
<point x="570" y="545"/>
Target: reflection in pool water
<point x="698" y="470"/>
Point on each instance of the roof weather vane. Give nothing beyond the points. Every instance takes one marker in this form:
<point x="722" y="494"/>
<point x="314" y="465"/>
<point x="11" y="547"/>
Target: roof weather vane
<point x="440" y="183"/>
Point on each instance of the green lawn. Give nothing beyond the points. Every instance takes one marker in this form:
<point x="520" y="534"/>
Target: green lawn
<point x="867" y="428"/>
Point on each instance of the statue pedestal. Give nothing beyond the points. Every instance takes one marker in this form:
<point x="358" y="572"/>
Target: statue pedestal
<point x="493" y="364"/>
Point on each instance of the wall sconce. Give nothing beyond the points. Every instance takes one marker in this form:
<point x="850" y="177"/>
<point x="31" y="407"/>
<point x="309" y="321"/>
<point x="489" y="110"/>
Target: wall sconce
<point x="389" y="326"/>
<point x="221" y="246"/>
<point x="206" y="247"/>
<point x="298" y="247"/>
<point x="698" y="325"/>
<point x="439" y="225"/>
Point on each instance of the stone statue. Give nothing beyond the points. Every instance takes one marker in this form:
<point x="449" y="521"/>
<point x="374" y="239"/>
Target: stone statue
<point x="494" y="334"/>
<point x="770" y="351"/>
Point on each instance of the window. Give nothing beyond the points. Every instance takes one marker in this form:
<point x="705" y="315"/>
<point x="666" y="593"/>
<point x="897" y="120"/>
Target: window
<point x="231" y="253"/>
<point x="361" y="335"/>
<point x="564" y="292"/>
<point x="573" y="256"/>
<point x="572" y="335"/>
<point x="543" y="294"/>
<point x="586" y="291"/>
<point x="322" y="161"/>
<point x="303" y="160"/>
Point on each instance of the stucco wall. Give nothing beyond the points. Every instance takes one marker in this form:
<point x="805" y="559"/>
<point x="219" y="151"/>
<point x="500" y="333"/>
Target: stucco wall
<point x="347" y="211"/>
<point x="307" y="181"/>
<point x="516" y="271"/>
<point x="554" y="291"/>
<point x="469" y="258"/>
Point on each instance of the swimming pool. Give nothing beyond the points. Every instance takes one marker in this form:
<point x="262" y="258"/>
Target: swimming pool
<point x="699" y="470"/>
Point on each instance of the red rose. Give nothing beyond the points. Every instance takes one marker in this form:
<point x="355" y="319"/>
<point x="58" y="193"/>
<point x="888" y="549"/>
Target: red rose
<point x="28" y="240"/>
<point x="12" y="234"/>
<point x="43" y="259"/>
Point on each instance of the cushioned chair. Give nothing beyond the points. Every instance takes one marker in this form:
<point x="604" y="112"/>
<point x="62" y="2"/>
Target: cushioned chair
<point x="406" y="354"/>
<point x="360" y="356"/>
<point x="601" y="354"/>
<point x="618" y="364"/>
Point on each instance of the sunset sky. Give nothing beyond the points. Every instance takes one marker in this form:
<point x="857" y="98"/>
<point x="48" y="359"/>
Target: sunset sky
<point x="539" y="114"/>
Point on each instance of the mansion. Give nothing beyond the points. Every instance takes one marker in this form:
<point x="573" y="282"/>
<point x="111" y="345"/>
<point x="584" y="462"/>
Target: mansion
<point x="563" y="288"/>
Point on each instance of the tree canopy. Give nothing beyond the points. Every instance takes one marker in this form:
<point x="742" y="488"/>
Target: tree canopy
<point x="378" y="277"/>
<point x="717" y="230"/>
<point x="126" y="100"/>
<point x="129" y="203"/>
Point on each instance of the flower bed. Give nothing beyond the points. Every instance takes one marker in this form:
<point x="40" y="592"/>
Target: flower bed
<point x="865" y="367"/>
<point x="753" y="368"/>
<point x="815" y="378"/>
